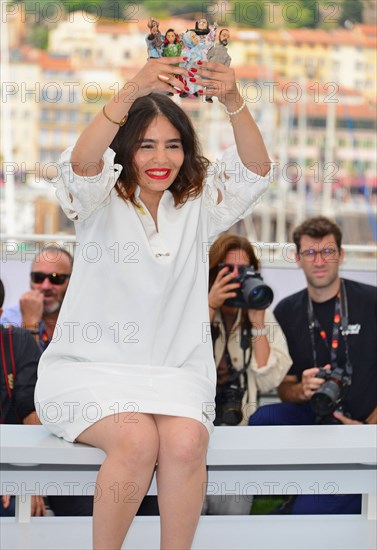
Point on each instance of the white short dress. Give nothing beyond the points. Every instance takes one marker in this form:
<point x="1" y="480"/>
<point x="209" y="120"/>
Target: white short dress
<point x="133" y="334"/>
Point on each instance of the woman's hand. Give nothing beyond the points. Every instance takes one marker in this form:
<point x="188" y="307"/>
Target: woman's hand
<point x="222" y="288"/>
<point x="220" y="81"/>
<point x="158" y="75"/>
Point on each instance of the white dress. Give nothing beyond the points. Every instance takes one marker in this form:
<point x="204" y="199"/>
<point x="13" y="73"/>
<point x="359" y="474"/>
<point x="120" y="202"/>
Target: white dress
<point x="133" y="331"/>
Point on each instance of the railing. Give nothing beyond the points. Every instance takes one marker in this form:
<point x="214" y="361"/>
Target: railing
<point x="278" y="263"/>
<point x="272" y="254"/>
<point x="241" y="460"/>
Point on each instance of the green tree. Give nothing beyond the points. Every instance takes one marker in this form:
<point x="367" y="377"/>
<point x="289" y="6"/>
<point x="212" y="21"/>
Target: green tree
<point x="245" y="13"/>
<point x="303" y="13"/>
<point x="352" y="10"/>
<point x="188" y="9"/>
<point x="38" y="37"/>
<point x="115" y="10"/>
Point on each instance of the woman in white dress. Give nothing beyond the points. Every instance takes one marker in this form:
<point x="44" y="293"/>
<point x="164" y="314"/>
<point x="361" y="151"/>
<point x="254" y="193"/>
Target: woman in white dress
<point x="129" y="370"/>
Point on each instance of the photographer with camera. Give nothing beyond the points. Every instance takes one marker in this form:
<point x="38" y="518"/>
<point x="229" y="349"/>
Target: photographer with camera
<point x="250" y="350"/>
<point x="249" y="346"/>
<point x="331" y="332"/>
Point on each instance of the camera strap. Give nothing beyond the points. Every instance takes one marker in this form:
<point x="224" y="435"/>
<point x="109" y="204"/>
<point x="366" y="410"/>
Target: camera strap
<point x="340" y="326"/>
<point x="246" y="345"/>
<point x="245" y="342"/>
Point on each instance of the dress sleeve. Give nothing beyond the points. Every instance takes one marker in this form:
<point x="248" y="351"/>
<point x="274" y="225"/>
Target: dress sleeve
<point x="240" y="191"/>
<point x="80" y="196"/>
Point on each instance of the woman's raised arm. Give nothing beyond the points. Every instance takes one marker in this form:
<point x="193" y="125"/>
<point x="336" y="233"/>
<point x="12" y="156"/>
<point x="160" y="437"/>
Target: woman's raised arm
<point x="221" y="82"/>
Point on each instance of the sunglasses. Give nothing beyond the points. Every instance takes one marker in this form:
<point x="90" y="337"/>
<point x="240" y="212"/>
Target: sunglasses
<point x="55" y="278"/>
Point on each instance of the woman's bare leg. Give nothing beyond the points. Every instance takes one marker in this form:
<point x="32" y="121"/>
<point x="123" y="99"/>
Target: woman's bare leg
<point x="124" y="477"/>
<point x="181" y="479"/>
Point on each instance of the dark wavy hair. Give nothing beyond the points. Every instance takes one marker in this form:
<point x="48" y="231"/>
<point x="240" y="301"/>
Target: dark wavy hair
<point x="221" y="247"/>
<point x="176" y="40"/>
<point x="317" y="228"/>
<point x="189" y="181"/>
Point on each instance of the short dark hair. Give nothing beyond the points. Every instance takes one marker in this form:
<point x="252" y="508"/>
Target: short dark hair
<point x="2" y="293"/>
<point x="190" y="178"/>
<point x="317" y="227"/>
<point x="225" y="244"/>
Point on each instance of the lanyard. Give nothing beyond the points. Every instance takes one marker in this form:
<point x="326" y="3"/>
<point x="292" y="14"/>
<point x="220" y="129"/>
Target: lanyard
<point x="340" y="325"/>
<point x="43" y="338"/>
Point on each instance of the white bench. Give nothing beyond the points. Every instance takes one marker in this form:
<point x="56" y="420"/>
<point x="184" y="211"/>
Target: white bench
<point x="241" y="460"/>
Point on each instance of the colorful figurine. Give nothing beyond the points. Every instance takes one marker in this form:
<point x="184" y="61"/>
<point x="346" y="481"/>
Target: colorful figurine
<point x="154" y="40"/>
<point x="172" y="44"/>
<point x="196" y="47"/>
<point x="219" y="53"/>
<point x="173" y="48"/>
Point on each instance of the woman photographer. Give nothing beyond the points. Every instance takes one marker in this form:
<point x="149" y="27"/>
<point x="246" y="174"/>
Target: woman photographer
<point x="249" y="347"/>
<point x="267" y="358"/>
<point x="133" y="367"/>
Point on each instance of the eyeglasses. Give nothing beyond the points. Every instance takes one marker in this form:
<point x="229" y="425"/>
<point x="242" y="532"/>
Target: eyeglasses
<point x="327" y="254"/>
<point x="55" y="278"/>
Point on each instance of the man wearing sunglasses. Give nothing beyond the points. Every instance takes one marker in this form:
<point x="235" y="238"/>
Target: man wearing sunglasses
<point x="331" y="331"/>
<point x="38" y="308"/>
<point x="37" y="312"/>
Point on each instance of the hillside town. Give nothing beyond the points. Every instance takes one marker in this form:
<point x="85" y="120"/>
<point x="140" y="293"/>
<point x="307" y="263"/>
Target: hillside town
<point x="311" y="91"/>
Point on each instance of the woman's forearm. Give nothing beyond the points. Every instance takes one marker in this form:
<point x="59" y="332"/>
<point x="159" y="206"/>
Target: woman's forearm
<point x="261" y="349"/>
<point x="249" y="141"/>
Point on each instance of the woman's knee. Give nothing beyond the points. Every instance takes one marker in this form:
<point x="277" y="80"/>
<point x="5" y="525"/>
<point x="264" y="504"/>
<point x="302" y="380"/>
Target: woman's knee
<point x="185" y="443"/>
<point x="135" y="442"/>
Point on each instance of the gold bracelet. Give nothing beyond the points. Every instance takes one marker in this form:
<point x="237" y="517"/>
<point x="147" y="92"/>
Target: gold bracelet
<point x="121" y="123"/>
<point x="214" y="308"/>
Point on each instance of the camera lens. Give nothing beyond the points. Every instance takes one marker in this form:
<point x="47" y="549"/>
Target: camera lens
<point x="253" y="293"/>
<point x="256" y="294"/>
<point x="232" y="416"/>
<point x="324" y="400"/>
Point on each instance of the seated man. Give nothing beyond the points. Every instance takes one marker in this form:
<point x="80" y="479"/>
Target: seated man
<point x="37" y="312"/>
<point x="330" y="329"/>
<point x="19" y="356"/>
<point x="38" y="308"/>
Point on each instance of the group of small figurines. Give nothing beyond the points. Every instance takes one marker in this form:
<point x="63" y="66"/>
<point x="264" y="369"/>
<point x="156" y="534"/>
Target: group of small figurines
<point x="195" y="44"/>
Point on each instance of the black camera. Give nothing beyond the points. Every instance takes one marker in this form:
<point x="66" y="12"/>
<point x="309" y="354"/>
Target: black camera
<point x="229" y="404"/>
<point x="253" y="292"/>
<point x="326" y="399"/>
